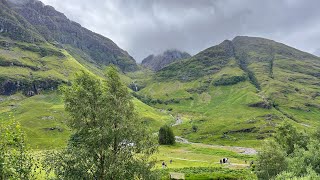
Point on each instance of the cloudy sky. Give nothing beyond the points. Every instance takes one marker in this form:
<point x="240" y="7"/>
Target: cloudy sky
<point x="144" y="27"/>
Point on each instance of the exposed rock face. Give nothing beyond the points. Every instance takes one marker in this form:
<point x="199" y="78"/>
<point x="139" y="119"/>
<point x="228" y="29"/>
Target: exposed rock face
<point x="16" y="27"/>
<point x="158" y="62"/>
<point x="29" y="88"/>
<point x="32" y="21"/>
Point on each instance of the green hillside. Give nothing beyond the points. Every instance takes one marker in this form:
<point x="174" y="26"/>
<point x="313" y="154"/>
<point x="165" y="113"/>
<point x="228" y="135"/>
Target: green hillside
<point x="238" y="91"/>
<point x="33" y="66"/>
<point x="233" y="94"/>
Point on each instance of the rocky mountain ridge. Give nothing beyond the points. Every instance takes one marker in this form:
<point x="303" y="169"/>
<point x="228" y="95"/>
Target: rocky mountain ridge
<point x="32" y="21"/>
<point x="157" y="62"/>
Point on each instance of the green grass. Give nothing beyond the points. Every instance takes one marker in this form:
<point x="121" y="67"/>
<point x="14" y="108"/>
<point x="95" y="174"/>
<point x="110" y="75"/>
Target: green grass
<point x="198" y="162"/>
<point x="206" y="173"/>
<point x="288" y="81"/>
<point x="44" y="119"/>
<point x="197" y="155"/>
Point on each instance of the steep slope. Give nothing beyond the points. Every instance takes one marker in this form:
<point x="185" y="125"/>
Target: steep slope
<point x="159" y="61"/>
<point x="14" y="26"/>
<point x="238" y="91"/>
<point x="41" y="53"/>
<point x="40" y="48"/>
<point x="206" y="62"/>
<point x="56" y="27"/>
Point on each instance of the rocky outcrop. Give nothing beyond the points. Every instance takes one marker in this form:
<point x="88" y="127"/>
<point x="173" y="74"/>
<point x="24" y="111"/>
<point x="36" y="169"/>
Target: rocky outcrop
<point x="27" y="87"/>
<point x="158" y="62"/>
<point x="32" y="21"/>
<point x="15" y="27"/>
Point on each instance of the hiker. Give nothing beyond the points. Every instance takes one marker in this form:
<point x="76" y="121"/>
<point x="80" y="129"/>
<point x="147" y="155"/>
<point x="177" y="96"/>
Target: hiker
<point x="251" y="163"/>
<point x="170" y="161"/>
<point x="220" y="161"/>
<point x="163" y="164"/>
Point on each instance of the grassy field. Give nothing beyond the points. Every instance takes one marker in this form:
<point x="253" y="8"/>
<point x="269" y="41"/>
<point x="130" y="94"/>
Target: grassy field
<point x="191" y="159"/>
<point x="193" y="155"/>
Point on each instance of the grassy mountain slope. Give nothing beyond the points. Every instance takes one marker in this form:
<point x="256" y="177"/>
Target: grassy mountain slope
<point x="238" y="91"/>
<point x="32" y="21"/>
<point x="33" y="65"/>
<point x="29" y="77"/>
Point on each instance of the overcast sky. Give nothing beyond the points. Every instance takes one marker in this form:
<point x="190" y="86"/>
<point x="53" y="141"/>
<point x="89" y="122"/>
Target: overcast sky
<point x="144" y="27"/>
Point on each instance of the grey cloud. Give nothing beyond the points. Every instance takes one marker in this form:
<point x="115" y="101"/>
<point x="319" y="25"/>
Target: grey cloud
<point x="143" y="27"/>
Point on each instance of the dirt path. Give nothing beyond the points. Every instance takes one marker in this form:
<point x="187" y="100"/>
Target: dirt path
<point x="240" y="150"/>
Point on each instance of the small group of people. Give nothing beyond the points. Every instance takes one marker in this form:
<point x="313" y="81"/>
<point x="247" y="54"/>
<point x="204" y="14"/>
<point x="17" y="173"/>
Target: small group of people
<point x="224" y="160"/>
<point x="164" y="164"/>
<point x="251" y="162"/>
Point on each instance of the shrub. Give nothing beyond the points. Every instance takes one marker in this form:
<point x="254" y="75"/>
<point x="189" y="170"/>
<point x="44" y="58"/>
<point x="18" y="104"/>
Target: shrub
<point x="194" y="128"/>
<point x="229" y="80"/>
<point x="166" y="136"/>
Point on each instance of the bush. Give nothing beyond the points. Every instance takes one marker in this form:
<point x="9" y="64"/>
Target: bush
<point x="15" y="160"/>
<point x="166" y="136"/>
<point x="271" y="161"/>
<point x="230" y="80"/>
<point x="194" y="128"/>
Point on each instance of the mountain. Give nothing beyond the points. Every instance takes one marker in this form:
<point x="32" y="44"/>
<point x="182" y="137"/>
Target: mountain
<point x="45" y="23"/>
<point x="244" y="50"/>
<point x="237" y="92"/>
<point x="157" y="62"/>
<point x="234" y="93"/>
<point x="41" y="49"/>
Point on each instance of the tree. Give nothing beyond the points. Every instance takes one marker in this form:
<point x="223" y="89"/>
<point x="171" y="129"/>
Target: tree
<point x="271" y="161"/>
<point x="109" y="140"/>
<point x="15" y="161"/>
<point x="288" y="137"/>
<point x="310" y="175"/>
<point x="166" y="136"/>
<point x="292" y="155"/>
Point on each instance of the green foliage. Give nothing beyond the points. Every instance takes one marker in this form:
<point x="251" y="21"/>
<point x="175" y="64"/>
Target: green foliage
<point x="166" y="136"/>
<point x="41" y="50"/>
<point x="310" y="175"/>
<point x="229" y="80"/>
<point x="109" y="140"/>
<point x="293" y="155"/>
<point x="301" y="161"/>
<point x="15" y="160"/>
<point x="289" y="138"/>
<point x="271" y="161"/>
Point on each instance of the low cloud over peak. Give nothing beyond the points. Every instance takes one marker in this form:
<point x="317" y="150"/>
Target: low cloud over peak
<point x="144" y="27"/>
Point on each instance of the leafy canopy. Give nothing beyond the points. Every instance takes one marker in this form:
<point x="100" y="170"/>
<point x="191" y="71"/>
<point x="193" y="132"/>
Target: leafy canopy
<point x="290" y="155"/>
<point x="109" y="140"/>
<point x="166" y="136"/>
<point x="15" y="160"/>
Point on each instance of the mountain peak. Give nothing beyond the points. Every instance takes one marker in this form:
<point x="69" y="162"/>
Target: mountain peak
<point x="157" y="62"/>
<point x="44" y="23"/>
<point x="244" y="49"/>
